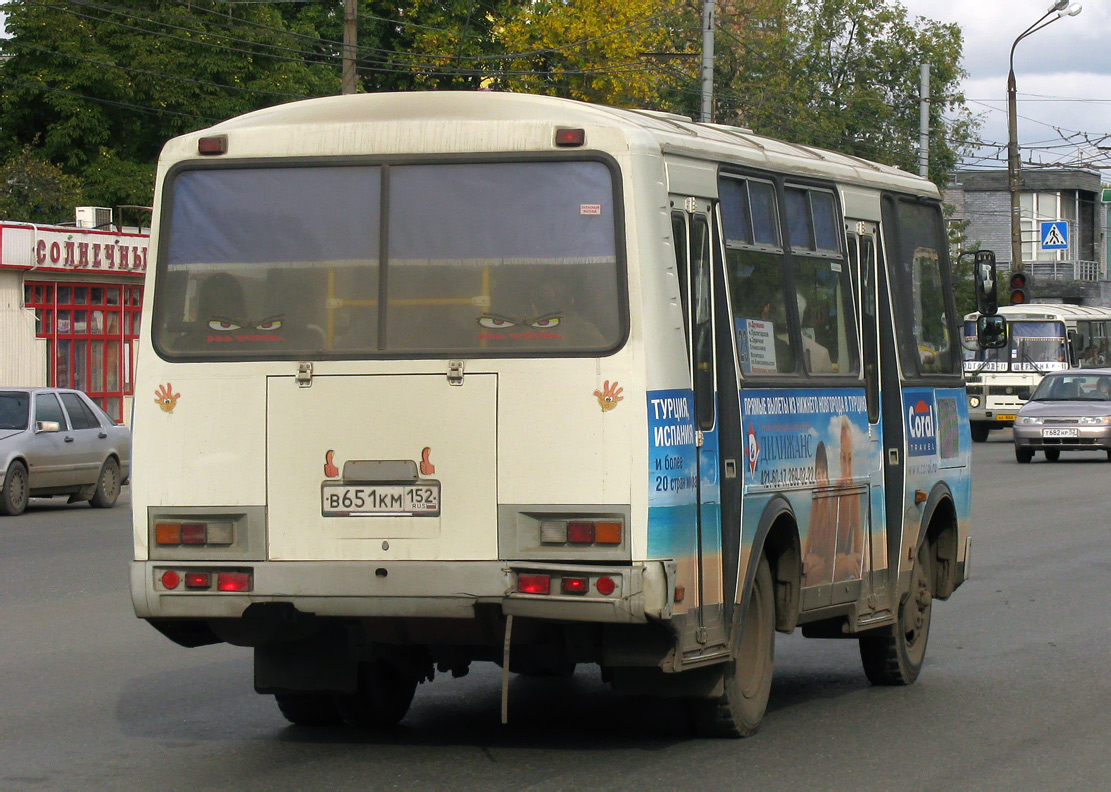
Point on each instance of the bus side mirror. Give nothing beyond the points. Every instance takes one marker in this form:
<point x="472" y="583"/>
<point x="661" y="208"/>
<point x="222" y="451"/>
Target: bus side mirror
<point x="987" y="291"/>
<point x="991" y="332"/>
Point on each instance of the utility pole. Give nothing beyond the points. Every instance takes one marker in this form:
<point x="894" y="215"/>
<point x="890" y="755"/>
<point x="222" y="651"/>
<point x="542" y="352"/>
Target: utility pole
<point x="924" y="122"/>
<point x="707" y="62"/>
<point x="350" y="36"/>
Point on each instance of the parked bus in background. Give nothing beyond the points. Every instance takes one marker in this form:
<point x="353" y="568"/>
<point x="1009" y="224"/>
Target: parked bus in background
<point x="1044" y="337"/>
<point x="436" y="378"/>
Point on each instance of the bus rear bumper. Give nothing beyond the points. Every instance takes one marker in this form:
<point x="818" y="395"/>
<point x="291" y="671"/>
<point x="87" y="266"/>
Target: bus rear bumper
<point x="407" y="589"/>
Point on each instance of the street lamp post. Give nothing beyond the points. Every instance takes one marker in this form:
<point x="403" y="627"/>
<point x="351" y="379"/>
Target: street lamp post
<point x="1059" y="8"/>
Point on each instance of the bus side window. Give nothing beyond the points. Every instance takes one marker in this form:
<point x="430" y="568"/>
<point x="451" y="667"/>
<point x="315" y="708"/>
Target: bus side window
<point x="755" y="267"/>
<point x="682" y="248"/>
<point x="822" y="281"/>
<point x="703" y="330"/>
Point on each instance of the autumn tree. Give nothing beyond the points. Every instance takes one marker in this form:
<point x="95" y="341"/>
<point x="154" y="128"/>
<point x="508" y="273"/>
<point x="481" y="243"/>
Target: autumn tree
<point x="599" y="51"/>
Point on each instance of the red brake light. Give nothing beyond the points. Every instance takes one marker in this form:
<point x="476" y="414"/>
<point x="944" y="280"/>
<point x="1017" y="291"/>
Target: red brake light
<point x="534" y="584"/>
<point x="605" y="586"/>
<point x="217" y="144"/>
<point x="171" y="579"/>
<point x="233" y="581"/>
<point x="580" y="532"/>
<point x="198" y="580"/>
<point x="571" y="585"/>
<point x="193" y="533"/>
<point x="568" y="138"/>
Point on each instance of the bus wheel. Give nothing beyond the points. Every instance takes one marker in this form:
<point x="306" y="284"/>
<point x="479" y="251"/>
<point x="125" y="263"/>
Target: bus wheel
<point x="13" y="496"/>
<point x="748" y="676"/>
<point x="1023" y="455"/>
<point x="896" y="658"/>
<point x="382" y="699"/>
<point x="309" y="709"/>
<point x="980" y="431"/>
<point x="1053" y="454"/>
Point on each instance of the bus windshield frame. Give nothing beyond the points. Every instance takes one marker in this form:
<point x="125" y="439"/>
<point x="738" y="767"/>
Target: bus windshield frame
<point x="1034" y="346"/>
<point x="507" y="257"/>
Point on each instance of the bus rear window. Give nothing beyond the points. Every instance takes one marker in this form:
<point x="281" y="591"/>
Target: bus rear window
<point x="470" y="259"/>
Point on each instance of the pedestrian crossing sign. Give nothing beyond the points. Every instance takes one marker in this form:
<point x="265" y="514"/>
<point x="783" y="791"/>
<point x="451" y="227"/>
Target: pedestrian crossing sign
<point x="1055" y="235"/>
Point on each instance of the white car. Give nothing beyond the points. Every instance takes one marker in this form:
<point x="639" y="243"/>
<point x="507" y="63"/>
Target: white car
<point x="57" y="441"/>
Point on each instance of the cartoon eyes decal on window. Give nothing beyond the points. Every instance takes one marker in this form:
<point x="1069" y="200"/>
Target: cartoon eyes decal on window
<point x="223" y="324"/>
<point x="547" y="321"/>
<point x="496" y="322"/>
<point x="230" y="325"/>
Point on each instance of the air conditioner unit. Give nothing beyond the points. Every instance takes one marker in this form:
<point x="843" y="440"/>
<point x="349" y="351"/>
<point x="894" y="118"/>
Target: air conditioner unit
<point x="94" y="217"/>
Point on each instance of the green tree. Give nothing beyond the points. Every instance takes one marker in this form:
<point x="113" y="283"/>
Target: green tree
<point x="35" y="190"/>
<point x="102" y="87"/>
<point x="844" y="74"/>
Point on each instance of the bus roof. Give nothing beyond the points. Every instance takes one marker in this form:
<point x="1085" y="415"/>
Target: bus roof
<point x="1045" y="311"/>
<point x="450" y="119"/>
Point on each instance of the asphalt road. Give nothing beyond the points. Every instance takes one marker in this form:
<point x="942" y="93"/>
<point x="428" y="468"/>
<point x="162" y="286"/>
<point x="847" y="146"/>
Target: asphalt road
<point x="1014" y="694"/>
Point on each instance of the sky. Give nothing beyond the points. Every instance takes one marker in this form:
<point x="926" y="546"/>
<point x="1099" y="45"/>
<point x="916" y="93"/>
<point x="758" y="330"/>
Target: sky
<point x="1062" y="76"/>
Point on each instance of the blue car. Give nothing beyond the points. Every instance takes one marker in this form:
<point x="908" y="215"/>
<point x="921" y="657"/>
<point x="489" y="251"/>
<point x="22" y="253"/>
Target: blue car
<point x="57" y="441"/>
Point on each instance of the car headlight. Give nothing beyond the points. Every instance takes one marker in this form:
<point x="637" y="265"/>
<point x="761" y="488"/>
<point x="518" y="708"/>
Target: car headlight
<point x="1029" y="420"/>
<point x="973" y="401"/>
<point x="1094" y="420"/>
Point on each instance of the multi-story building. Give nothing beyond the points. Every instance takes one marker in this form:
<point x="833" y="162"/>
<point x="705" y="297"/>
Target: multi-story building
<point x="1077" y="274"/>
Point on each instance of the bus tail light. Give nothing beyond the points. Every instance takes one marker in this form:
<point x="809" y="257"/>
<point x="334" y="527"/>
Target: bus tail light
<point x="570" y="138"/>
<point x="575" y="585"/>
<point x="534" y="584"/>
<point x="581" y="532"/>
<point x="233" y="581"/>
<point x="168" y="534"/>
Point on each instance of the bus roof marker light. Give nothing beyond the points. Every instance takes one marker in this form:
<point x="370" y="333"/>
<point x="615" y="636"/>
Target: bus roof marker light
<point x="216" y="144"/>
<point x="570" y="138"/>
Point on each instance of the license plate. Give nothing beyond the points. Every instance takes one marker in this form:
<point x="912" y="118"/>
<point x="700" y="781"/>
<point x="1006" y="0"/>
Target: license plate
<point x="1004" y="418"/>
<point x="1060" y="432"/>
<point x="392" y="500"/>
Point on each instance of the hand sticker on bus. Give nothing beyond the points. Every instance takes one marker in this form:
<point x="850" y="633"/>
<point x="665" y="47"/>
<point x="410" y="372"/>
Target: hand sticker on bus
<point x="609" y="396"/>
<point x="166" y="399"/>
<point x="330" y="470"/>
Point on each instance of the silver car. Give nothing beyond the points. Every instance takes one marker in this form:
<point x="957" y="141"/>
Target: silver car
<point x="1069" y="411"/>
<point x="56" y="441"/>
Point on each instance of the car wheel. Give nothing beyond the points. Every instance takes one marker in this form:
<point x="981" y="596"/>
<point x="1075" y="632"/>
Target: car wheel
<point x="107" y="486"/>
<point x="13" y="497"/>
<point x="1053" y="454"/>
<point x="1023" y="455"/>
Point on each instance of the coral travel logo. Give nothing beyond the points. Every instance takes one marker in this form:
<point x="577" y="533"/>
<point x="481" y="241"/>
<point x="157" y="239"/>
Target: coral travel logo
<point x="921" y="425"/>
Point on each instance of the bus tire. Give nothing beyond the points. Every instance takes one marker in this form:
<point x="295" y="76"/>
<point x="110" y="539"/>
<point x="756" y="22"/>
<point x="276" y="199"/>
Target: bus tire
<point x="13" y="496"/>
<point x="309" y="709"/>
<point x="107" y="485"/>
<point x="896" y="658"/>
<point x="748" y="676"/>
<point x="980" y="431"/>
<point x="1023" y="455"/>
<point x="1052" y="454"/>
<point x="383" y="696"/>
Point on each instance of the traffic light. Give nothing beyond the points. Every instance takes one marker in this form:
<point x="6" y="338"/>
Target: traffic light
<point x="1020" y="291"/>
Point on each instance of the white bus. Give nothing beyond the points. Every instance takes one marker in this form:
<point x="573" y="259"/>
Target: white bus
<point x="1043" y="337"/>
<point x="437" y="378"/>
